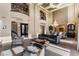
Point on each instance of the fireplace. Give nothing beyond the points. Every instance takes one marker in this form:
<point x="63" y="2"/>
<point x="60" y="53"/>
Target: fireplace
<point x="61" y="28"/>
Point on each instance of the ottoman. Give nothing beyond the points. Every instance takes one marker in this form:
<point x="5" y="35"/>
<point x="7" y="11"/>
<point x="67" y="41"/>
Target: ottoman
<point x="18" y="51"/>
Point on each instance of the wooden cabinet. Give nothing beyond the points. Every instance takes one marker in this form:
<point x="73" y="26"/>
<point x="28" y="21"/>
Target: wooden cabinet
<point x="71" y="34"/>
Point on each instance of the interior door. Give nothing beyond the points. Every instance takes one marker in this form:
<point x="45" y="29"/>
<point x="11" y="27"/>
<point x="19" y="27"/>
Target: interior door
<point x="14" y="27"/>
<point x="42" y="29"/>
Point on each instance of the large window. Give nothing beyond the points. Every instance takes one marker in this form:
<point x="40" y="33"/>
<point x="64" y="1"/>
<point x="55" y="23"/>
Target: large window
<point x="20" y="7"/>
<point x="42" y="15"/>
<point x="24" y="29"/>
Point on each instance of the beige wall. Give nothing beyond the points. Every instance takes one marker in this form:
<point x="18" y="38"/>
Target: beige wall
<point x="61" y="16"/>
<point x="5" y="34"/>
<point x="68" y="14"/>
<point x="71" y="14"/>
<point x="5" y="17"/>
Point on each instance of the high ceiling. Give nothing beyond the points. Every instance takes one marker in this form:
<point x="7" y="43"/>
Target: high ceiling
<point x="51" y="7"/>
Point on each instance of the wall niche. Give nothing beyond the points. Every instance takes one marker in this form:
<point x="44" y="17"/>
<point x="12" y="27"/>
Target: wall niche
<point x="42" y="15"/>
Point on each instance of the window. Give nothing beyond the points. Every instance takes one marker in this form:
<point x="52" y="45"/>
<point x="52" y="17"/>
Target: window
<point x="71" y="27"/>
<point x="24" y="29"/>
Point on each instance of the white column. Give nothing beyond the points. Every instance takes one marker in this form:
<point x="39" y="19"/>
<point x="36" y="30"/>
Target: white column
<point x="78" y="39"/>
<point x="31" y="20"/>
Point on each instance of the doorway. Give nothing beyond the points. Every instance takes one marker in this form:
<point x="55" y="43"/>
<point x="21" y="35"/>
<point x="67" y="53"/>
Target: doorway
<point x="14" y="27"/>
<point x="42" y="28"/>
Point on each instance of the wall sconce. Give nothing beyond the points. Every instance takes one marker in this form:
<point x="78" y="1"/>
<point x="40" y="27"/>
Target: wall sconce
<point x="4" y="27"/>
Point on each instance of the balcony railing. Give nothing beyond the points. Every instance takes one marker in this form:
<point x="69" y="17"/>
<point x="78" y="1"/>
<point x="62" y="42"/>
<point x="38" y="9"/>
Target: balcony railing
<point x="20" y="7"/>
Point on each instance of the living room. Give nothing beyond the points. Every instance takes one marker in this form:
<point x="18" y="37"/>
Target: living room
<point x="25" y="24"/>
